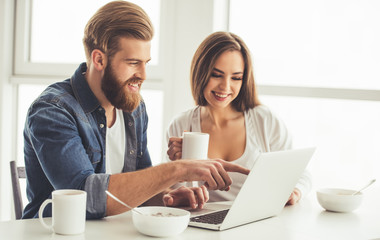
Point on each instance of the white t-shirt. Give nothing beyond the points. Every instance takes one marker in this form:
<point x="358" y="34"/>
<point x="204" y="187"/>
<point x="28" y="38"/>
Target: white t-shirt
<point x="265" y="132"/>
<point x="115" y="145"/>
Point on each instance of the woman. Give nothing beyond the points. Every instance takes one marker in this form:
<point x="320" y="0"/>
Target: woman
<point x="228" y="108"/>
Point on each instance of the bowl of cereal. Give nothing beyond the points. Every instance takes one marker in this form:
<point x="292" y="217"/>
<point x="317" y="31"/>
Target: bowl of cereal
<point x="160" y="221"/>
<point x="339" y="200"/>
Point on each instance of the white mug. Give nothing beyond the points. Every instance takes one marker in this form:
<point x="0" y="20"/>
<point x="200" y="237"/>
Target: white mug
<point x="68" y="211"/>
<point x="195" y="145"/>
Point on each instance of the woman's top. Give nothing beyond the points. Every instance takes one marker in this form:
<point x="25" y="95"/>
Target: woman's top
<point x="265" y="132"/>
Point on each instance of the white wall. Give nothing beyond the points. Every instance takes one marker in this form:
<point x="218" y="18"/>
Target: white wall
<point x="6" y="106"/>
<point x="182" y="36"/>
<point x="185" y="25"/>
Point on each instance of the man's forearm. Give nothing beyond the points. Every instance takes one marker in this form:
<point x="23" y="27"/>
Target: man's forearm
<point x="138" y="187"/>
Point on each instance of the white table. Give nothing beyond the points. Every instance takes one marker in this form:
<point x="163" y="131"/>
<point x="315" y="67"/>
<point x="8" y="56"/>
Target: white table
<point x="306" y="220"/>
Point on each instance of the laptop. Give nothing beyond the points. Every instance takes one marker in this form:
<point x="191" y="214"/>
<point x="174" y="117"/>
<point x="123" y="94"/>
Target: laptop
<point x="263" y="194"/>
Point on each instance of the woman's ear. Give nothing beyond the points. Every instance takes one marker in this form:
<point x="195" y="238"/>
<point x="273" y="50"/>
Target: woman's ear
<point x="99" y="59"/>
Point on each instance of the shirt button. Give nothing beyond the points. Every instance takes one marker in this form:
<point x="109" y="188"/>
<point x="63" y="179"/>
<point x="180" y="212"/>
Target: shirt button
<point x="131" y="152"/>
<point x="101" y="125"/>
<point x="130" y="124"/>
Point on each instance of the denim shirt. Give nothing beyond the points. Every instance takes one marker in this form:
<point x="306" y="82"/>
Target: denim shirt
<point x="64" y="145"/>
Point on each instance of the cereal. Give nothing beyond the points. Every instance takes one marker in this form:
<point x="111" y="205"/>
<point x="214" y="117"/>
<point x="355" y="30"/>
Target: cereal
<point x="160" y="214"/>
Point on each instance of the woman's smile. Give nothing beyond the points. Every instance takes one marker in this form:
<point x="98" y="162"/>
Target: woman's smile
<point x="220" y="96"/>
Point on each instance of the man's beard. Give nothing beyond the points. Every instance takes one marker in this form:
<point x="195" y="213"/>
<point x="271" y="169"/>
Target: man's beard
<point x="117" y="93"/>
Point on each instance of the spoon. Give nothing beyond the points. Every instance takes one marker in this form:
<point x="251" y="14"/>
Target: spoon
<point x="368" y="184"/>
<point x="123" y="203"/>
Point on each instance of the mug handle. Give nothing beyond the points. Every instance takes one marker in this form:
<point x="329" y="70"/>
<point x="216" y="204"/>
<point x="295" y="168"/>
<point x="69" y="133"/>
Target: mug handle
<point x="40" y="212"/>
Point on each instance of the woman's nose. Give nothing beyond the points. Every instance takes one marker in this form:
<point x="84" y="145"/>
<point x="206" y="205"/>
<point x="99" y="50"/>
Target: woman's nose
<point x="224" y="84"/>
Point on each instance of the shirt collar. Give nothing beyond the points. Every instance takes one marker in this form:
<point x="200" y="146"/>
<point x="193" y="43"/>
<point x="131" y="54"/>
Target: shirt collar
<point x="82" y="90"/>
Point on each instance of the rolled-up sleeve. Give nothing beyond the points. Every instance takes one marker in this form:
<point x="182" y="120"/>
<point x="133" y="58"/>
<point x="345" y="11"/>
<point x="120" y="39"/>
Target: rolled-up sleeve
<point x="96" y="185"/>
<point x="305" y="183"/>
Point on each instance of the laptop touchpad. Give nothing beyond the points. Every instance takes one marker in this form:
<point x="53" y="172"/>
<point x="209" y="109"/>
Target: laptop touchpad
<point x="208" y="208"/>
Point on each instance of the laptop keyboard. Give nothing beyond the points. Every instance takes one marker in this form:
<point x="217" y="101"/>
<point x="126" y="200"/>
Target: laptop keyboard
<point x="211" y="218"/>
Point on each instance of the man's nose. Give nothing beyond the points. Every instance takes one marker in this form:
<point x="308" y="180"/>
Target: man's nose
<point x="141" y="73"/>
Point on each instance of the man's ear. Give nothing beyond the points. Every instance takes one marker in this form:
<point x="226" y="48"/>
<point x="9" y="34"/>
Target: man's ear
<point x="99" y="59"/>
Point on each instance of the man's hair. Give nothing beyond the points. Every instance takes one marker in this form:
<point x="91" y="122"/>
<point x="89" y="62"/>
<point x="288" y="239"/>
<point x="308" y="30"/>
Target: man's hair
<point x="111" y="22"/>
<point x="203" y="64"/>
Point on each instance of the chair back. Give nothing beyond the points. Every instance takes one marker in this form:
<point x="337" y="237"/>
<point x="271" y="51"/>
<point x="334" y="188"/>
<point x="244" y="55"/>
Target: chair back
<point x="16" y="174"/>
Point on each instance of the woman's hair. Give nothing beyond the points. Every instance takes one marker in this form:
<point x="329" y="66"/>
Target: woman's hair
<point x="111" y="22"/>
<point x="203" y="64"/>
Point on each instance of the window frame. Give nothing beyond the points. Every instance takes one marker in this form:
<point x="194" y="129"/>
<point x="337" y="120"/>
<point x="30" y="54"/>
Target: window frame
<point x="27" y="72"/>
<point x="24" y="67"/>
<point x="319" y="92"/>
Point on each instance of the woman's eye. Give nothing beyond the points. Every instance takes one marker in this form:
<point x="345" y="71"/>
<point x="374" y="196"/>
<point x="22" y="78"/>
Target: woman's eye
<point x="237" y="78"/>
<point x="216" y="75"/>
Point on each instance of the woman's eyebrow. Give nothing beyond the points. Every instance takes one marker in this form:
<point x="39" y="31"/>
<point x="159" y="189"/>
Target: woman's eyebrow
<point x="220" y="71"/>
<point x="215" y="69"/>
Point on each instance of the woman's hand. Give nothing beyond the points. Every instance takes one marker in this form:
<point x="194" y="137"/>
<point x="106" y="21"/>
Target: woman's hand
<point x="294" y="197"/>
<point x="195" y="197"/>
<point x="175" y="148"/>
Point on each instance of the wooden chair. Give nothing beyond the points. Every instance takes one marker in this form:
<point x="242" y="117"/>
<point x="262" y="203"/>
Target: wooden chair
<point x="16" y="174"/>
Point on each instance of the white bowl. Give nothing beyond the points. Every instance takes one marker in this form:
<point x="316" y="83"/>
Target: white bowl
<point x="339" y="200"/>
<point x="161" y="221"/>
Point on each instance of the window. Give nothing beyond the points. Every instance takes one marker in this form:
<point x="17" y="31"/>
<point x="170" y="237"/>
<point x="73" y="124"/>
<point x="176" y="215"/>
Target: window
<point x="311" y="43"/>
<point x="316" y="64"/>
<point x="346" y="133"/>
<point x="49" y="34"/>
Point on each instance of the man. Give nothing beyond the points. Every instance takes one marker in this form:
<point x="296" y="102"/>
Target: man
<point x="89" y="132"/>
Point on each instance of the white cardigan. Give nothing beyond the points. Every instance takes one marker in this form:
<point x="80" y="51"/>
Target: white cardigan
<point x="265" y="132"/>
